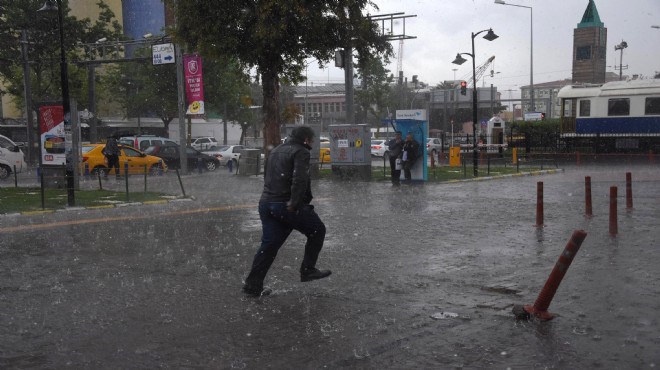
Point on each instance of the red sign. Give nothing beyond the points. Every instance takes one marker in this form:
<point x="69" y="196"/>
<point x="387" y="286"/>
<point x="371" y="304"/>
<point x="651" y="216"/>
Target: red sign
<point x="192" y="67"/>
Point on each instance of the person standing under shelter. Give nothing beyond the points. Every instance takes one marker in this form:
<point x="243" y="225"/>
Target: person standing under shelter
<point x="112" y="152"/>
<point x="395" y="148"/>
<point x="409" y="156"/>
<point x="285" y="206"/>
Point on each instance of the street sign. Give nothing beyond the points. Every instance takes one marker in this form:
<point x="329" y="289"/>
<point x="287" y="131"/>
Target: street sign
<point x="162" y="54"/>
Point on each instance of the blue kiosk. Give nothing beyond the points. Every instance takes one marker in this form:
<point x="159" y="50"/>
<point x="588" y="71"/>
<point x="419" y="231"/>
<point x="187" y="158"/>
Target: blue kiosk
<point x="415" y="122"/>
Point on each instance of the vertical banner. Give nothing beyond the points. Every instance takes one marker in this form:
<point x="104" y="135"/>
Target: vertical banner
<point x="52" y="135"/>
<point x="192" y="68"/>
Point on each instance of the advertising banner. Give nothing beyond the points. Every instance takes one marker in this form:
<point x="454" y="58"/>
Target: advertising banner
<point x="192" y="67"/>
<point x="52" y="135"/>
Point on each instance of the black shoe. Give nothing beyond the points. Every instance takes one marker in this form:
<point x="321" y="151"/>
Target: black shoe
<point x="255" y="292"/>
<point x="313" y="274"/>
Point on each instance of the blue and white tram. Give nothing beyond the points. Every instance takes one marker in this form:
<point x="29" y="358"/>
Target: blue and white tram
<point x="621" y="114"/>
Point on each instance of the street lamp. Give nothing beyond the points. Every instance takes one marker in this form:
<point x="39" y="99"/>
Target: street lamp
<point x="532" y="107"/>
<point x="51" y="5"/>
<point x="621" y="46"/>
<point x="490" y="36"/>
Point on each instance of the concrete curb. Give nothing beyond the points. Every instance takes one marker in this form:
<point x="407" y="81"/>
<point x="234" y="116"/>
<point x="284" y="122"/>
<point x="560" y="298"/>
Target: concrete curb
<point x="104" y="206"/>
<point x="520" y="174"/>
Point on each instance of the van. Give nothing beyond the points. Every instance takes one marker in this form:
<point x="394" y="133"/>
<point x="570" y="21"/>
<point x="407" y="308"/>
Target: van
<point x="145" y="141"/>
<point x="11" y="157"/>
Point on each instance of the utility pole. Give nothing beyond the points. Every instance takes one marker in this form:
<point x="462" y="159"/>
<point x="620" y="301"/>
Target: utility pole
<point x="28" y="97"/>
<point x="181" y="103"/>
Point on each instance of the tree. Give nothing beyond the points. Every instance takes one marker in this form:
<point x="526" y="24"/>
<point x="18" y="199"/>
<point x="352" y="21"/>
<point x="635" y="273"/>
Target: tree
<point x="143" y="89"/>
<point x="146" y="90"/>
<point x="43" y="48"/>
<point x="375" y="98"/>
<point x="276" y="37"/>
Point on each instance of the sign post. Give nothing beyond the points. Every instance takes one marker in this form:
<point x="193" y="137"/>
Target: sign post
<point x="163" y="54"/>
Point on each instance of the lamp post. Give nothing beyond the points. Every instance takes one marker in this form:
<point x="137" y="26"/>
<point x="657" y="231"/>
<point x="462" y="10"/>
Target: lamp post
<point x="621" y="46"/>
<point x="52" y="5"/>
<point x="532" y="107"/>
<point x="490" y="36"/>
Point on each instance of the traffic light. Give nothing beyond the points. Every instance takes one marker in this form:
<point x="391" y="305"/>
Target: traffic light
<point x="463" y="88"/>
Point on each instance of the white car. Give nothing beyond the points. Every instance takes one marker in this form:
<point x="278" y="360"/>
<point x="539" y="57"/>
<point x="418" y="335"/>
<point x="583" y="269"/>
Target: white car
<point x="11" y="158"/>
<point x="433" y="145"/>
<point x="226" y="153"/>
<point x="203" y="142"/>
<point x="379" y="148"/>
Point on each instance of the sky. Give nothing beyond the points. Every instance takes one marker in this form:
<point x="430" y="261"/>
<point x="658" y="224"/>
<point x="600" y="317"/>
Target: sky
<point x="443" y="28"/>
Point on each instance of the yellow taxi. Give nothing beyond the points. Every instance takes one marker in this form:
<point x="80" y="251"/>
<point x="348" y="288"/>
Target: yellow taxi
<point x="93" y="160"/>
<point x="324" y="153"/>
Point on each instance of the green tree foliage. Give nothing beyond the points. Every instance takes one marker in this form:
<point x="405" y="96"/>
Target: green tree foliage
<point x="276" y="37"/>
<point x="44" y="48"/>
<point x="376" y="98"/>
<point x="146" y="90"/>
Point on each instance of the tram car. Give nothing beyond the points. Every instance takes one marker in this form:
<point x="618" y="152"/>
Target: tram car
<point x="615" y="116"/>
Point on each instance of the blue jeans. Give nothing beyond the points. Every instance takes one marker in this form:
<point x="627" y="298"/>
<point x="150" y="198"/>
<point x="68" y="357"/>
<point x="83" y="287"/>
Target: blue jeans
<point x="277" y="223"/>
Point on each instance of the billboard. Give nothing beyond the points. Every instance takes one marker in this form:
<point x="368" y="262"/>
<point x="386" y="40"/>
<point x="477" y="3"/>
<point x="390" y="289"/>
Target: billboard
<point x="52" y="135"/>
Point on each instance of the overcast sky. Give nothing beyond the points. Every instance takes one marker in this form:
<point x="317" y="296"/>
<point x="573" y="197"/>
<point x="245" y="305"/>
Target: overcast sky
<point x="443" y="28"/>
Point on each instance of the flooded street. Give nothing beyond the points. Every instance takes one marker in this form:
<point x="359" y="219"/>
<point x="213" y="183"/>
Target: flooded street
<point x="424" y="276"/>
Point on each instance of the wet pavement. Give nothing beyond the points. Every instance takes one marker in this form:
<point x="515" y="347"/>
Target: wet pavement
<point x="423" y="277"/>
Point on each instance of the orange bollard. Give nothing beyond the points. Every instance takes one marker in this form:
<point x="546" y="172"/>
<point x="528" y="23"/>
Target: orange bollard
<point x="587" y="196"/>
<point x="432" y="160"/>
<point x="577" y="159"/>
<point x="613" y="216"/>
<point x="629" y="202"/>
<point x="539" y="204"/>
<point x="540" y="307"/>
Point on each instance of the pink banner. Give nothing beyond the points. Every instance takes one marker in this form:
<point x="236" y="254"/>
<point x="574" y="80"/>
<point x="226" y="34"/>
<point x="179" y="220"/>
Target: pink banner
<point x="192" y="67"/>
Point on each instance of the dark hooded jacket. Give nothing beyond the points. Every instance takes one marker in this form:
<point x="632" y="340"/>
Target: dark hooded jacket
<point x="286" y="178"/>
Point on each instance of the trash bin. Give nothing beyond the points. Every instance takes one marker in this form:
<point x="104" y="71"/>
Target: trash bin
<point x="249" y="163"/>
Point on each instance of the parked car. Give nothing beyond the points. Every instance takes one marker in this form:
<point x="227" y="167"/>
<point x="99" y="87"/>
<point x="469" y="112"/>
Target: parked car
<point x="145" y="141"/>
<point x="170" y="154"/>
<point x="433" y="145"/>
<point x="11" y="157"/>
<point x="226" y="153"/>
<point x="324" y="152"/>
<point x="94" y="161"/>
<point x="379" y="148"/>
<point x="203" y="142"/>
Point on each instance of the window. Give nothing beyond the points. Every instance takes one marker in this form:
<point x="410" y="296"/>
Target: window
<point x="568" y="108"/>
<point x="618" y="107"/>
<point x="583" y="53"/>
<point x="585" y="108"/>
<point x="652" y="106"/>
<point x="131" y="152"/>
<point x="5" y="144"/>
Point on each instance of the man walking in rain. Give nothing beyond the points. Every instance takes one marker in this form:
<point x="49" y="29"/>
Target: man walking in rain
<point x="285" y="206"/>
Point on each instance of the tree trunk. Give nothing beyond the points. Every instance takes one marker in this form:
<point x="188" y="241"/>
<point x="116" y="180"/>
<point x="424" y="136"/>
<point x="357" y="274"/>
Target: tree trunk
<point x="271" y="112"/>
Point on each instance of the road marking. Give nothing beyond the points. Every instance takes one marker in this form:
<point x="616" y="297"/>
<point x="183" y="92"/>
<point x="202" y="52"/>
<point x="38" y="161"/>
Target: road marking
<point x="50" y="225"/>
